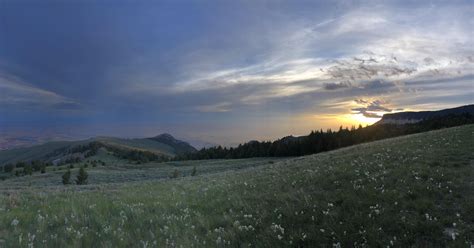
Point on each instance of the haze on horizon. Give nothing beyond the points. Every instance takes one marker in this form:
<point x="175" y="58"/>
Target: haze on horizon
<point x="227" y="72"/>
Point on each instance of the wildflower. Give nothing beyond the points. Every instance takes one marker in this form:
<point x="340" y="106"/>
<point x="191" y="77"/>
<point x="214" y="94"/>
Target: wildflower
<point x="15" y="222"/>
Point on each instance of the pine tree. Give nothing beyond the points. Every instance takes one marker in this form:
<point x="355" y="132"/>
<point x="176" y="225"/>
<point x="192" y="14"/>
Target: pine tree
<point x="67" y="177"/>
<point x="27" y="170"/>
<point x="81" y="177"/>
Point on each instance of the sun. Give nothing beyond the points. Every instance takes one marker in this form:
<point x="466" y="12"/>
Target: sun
<point x="364" y="120"/>
<point x="355" y="119"/>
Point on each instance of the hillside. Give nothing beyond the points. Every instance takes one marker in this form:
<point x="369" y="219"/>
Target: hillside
<point x="410" y="191"/>
<point x="53" y="151"/>
<point x="180" y="147"/>
<point x="42" y="151"/>
<point x="413" y="117"/>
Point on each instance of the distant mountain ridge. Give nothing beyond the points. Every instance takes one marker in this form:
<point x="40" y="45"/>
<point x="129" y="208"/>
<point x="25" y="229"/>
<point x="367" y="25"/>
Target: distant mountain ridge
<point x="413" y="117"/>
<point x="180" y="146"/>
<point x="161" y="145"/>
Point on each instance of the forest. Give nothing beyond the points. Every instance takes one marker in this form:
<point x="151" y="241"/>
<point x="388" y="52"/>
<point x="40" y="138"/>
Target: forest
<point x="321" y="141"/>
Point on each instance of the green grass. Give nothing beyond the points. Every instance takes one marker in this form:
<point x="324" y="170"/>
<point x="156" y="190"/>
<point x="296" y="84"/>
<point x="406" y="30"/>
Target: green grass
<point x="117" y="172"/>
<point x="413" y="191"/>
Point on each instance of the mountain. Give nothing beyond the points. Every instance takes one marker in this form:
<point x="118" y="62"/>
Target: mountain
<point x="413" y="117"/>
<point x="163" y="145"/>
<point x="179" y="146"/>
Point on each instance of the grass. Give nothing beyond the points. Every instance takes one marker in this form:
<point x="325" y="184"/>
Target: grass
<point x="413" y="191"/>
<point x="119" y="172"/>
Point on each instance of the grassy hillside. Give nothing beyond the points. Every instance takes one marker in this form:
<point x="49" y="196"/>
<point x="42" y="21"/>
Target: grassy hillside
<point x="412" y="191"/>
<point x="139" y="144"/>
<point x="34" y="152"/>
<point x="44" y="151"/>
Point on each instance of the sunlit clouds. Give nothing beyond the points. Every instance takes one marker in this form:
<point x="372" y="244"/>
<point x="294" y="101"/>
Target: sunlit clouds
<point x="287" y="67"/>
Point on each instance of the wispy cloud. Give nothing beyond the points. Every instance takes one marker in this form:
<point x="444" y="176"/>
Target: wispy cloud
<point x="219" y="107"/>
<point x="388" y="52"/>
<point x="16" y="92"/>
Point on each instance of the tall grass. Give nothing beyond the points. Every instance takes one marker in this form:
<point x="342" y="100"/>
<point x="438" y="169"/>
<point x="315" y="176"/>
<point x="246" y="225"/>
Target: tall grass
<point x="413" y="191"/>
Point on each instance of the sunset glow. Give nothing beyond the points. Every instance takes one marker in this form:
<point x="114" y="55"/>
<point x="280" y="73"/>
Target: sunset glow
<point x="223" y="72"/>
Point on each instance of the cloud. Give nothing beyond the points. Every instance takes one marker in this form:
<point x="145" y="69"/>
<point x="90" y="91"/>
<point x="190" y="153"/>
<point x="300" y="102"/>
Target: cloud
<point x="372" y="109"/>
<point x="234" y="66"/>
<point x="390" y="47"/>
<point x="219" y="107"/>
<point x="16" y="92"/>
<point x="336" y="86"/>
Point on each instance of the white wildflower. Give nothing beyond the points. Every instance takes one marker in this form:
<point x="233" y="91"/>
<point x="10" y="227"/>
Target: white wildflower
<point x="15" y="222"/>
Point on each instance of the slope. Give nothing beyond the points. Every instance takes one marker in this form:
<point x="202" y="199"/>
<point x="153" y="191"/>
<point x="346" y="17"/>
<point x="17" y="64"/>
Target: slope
<point x="61" y="149"/>
<point x="411" y="191"/>
<point x="412" y="117"/>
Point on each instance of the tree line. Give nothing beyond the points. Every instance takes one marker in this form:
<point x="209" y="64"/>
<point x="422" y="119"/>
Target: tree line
<point x="321" y="141"/>
<point x="26" y="168"/>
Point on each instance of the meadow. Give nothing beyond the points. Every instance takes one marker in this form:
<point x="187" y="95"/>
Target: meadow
<point x="411" y="191"/>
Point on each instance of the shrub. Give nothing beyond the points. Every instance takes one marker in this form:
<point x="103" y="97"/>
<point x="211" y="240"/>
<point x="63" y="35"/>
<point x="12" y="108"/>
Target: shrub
<point x="194" y="172"/>
<point x="8" y="167"/>
<point x="81" y="177"/>
<point x="67" y="177"/>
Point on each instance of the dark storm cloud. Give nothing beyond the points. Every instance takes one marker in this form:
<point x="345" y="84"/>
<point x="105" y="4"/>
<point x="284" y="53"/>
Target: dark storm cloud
<point x="336" y="86"/>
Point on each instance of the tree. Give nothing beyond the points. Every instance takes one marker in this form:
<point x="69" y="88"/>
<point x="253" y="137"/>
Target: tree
<point x="37" y="165"/>
<point x="20" y="164"/>
<point x="194" y="172"/>
<point x="81" y="177"/>
<point x="67" y="177"/>
<point x="27" y="170"/>
<point x="8" y="168"/>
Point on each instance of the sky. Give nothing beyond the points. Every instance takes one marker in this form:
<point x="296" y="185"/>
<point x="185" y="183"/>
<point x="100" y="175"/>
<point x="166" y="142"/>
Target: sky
<point x="226" y="72"/>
